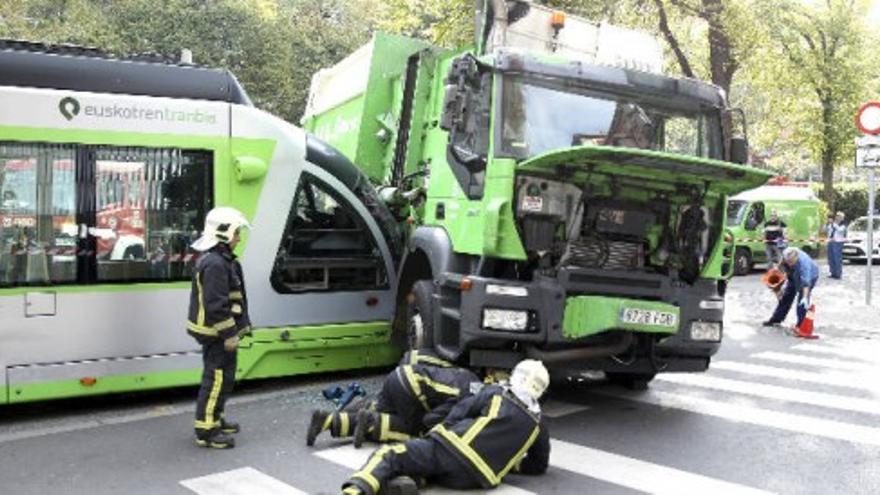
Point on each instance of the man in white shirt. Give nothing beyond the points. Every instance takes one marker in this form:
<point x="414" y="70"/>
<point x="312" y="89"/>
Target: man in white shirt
<point x="836" y="231"/>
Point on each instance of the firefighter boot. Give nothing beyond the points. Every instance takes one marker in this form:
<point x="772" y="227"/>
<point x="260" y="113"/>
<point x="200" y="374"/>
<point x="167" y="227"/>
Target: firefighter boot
<point x="402" y="485"/>
<point x="366" y="422"/>
<point x="229" y="427"/>
<point x="320" y="422"/>
<point x="214" y="439"/>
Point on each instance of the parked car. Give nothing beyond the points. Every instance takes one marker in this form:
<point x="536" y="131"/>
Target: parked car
<point x="855" y="248"/>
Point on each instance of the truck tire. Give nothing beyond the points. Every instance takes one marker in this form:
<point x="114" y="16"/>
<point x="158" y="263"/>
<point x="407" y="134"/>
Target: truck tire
<point x="742" y="262"/>
<point x="632" y="381"/>
<point x="808" y="250"/>
<point x="420" y="316"/>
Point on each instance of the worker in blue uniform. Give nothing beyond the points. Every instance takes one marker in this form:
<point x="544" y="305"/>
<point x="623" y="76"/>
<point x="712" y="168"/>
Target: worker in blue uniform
<point x="802" y="275"/>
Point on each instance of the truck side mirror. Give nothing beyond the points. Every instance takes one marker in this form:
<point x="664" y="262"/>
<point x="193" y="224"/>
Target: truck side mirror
<point x="739" y="150"/>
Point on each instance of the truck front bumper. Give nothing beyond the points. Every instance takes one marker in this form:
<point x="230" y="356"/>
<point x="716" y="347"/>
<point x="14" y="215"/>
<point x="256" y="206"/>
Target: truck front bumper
<point x="577" y="319"/>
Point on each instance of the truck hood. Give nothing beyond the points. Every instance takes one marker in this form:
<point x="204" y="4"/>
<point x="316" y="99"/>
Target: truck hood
<point x="647" y="165"/>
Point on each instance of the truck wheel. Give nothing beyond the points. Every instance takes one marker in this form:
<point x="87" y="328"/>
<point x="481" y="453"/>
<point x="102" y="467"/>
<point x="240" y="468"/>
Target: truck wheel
<point x="808" y="251"/>
<point x="420" y="316"/>
<point x="742" y="262"/>
<point x="632" y="381"/>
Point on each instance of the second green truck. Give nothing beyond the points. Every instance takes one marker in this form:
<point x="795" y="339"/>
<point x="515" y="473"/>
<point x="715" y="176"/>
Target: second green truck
<point x="562" y="200"/>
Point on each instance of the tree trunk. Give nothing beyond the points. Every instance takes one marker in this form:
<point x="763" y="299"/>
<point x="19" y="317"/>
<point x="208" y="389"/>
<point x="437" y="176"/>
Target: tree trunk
<point x="829" y="150"/>
<point x="722" y="61"/>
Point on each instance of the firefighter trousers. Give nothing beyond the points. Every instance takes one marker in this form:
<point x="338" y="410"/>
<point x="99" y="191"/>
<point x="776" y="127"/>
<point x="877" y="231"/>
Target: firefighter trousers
<point x="218" y="378"/>
<point x="419" y="458"/>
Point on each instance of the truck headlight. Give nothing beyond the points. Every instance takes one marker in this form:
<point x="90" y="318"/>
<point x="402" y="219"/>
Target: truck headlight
<point x="505" y="319"/>
<point x="706" y="330"/>
<point x="506" y="290"/>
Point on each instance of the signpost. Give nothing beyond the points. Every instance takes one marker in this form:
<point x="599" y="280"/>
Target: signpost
<point x="868" y="156"/>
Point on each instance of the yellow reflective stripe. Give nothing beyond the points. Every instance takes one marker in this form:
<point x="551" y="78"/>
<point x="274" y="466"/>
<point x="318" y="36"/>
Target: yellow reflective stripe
<point x="351" y="490"/>
<point x="200" y="329"/>
<point x="343" y="424"/>
<point x="213" y="329"/>
<point x="386" y="433"/>
<point x="419" y="358"/>
<point x="441" y="388"/>
<point x="469" y="454"/>
<point x="212" y="398"/>
<point x="200" y="319"/>
<point x="366" y="473"/>
<point x="384" y="426"/>
<point x="204" y="425"/>
<point x="236" y="295"/>
<point x="235" y="309"/>
<point x="515" y="461"/>
<point x="328" y="422"/>
<point x="414" y="383"/>
<point x="481" y="422"/>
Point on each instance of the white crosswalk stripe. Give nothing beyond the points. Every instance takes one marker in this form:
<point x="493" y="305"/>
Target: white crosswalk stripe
<point x="815" y="361"/>
<point x="796" y="423"/>
<point x="775" y="392"/>
<point x="867" y="354"/>
<point x="243" y="481"/>
<point x="353" y="459"/>
<point x="636" y="474"/>
<point x="590" y="462"/>
<point x="837" y="379"/>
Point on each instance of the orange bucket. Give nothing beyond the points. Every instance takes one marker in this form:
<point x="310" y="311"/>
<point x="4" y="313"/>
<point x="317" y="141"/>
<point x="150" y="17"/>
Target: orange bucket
<point x="773" y="278"/>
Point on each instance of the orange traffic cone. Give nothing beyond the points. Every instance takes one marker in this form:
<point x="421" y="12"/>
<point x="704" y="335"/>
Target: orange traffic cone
<point x="805" y="330"/>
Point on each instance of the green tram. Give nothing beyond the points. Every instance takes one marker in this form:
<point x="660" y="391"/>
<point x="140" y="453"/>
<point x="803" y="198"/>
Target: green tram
<point x="107" y="169"/>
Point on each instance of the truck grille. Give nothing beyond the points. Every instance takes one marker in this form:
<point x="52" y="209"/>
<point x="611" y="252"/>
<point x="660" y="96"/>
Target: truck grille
<point x="594" y="252"/>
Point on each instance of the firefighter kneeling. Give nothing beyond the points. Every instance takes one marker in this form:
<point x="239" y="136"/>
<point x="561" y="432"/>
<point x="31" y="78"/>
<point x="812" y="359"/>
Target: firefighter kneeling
<point x="415" y="396"/>
<point x="218" y="315"/>
<point x="484" y="437"/>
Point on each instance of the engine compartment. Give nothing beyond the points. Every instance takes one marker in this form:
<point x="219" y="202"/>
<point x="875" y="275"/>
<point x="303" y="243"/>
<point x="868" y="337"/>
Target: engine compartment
<point x="627" y="227"/>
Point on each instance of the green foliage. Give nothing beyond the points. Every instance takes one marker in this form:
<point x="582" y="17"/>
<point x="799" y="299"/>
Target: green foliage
<point x="850" y="198"/>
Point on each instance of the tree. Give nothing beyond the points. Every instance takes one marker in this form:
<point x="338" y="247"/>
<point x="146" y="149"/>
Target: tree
<point x="820" y="75"/>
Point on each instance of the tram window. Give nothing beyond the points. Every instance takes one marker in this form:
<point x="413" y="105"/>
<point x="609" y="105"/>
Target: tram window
<point x="37" y="214"/>
<point x="149" y="204"/>
<point x="326" y="245"/>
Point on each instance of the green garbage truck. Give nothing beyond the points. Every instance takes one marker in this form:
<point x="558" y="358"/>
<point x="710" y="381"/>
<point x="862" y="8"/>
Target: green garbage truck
<point x="747" y="212"/>
<point x="560" y="197"/>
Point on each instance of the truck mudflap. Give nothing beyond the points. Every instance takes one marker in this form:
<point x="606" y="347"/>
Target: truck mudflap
<point x="496" y="321"/>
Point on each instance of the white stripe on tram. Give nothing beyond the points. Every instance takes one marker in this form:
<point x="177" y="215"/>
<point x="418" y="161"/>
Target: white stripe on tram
<point x="805" y="425"/>
<point x="774" y="392"/>
<point x="833" y="378"/>
<point x="353" y="459"/>
<point x="243" y="481"/>
<point x="638" y="475"/>
<point x="837" y="364"/>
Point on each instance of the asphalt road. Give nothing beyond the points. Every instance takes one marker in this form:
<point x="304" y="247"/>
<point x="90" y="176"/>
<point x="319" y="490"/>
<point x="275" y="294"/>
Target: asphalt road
<point x="775" y="414"/>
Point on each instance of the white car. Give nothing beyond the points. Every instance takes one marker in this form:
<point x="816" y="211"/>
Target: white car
<point x="855" y="247"/>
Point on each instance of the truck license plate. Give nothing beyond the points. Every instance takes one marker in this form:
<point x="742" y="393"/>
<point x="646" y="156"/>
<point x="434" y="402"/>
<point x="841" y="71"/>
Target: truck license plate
<point x="648" y="317"/>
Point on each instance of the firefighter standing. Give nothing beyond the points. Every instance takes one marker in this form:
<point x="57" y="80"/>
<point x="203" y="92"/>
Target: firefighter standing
<point x="415" y="396"/>
<point x="218" y="316"/>
<point x="482" y="438"/>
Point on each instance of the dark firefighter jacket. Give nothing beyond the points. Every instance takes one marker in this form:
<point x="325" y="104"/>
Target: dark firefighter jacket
<point x="492" y="432"/>
<point x="218" y="302"/>
<point x="435" y="383"/>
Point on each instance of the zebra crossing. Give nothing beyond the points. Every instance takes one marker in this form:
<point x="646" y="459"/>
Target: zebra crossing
<point x="826" y="390"/>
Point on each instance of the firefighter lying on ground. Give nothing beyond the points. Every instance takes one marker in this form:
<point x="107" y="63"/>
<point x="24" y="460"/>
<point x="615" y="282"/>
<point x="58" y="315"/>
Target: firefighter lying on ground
<point x="483" y="438"/>
<point x="415" y="396"/>
<point x="218" y="316"/>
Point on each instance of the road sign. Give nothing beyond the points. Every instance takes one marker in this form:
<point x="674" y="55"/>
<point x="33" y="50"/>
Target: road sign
<point x="868" y="151"/>
<point x="868" y="118"/>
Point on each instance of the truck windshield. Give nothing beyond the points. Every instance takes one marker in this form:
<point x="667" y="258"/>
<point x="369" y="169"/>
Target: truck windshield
<point x="540" y="116"/>
<point x="735" y="211"/>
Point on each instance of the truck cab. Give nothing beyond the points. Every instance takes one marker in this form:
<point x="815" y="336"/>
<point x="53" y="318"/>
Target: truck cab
<point x="564" y="203"/>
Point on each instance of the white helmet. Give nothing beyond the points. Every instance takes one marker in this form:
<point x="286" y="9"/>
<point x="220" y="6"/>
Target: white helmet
<point x="221" y="223"/>
<point x="530" y="377"/>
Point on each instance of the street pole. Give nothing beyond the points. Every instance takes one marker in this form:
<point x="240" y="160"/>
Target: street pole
<point x="870" y="247"/>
